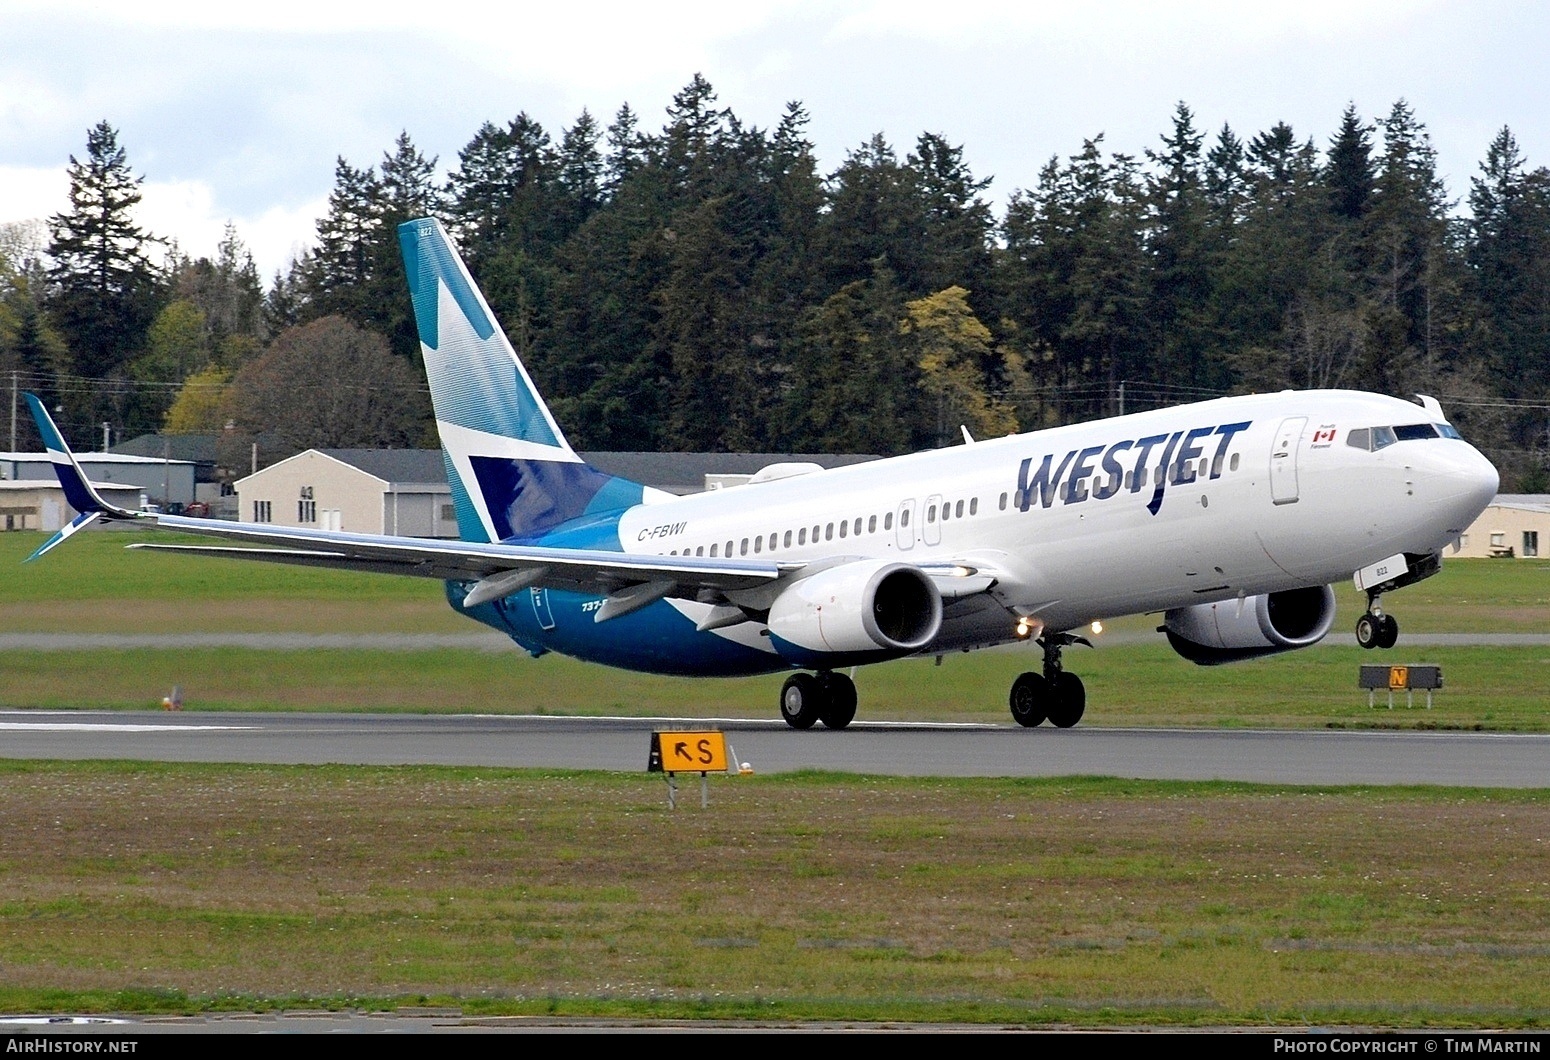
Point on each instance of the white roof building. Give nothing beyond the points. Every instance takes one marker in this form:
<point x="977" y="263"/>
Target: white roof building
<point x="369" y="491"/>
<point x="1513" y="526"/>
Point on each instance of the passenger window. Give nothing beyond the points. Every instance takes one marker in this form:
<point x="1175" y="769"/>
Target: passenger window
<point x="1216" y="466"/>
<point x="855" y="530"/>
<point x="744" y="550"/>
<point x="871" y="525"/>
<point x="1003" y="502"/>
<point x="713" y="551"/>
<point x="843" y="527"/>
<point x="1233" y="463"/>
<point x="974" y="505"/>
<point x="887" y="520"/>
<point x="958" y="510"/>
<point x="757" y="542"/>
<point x="700" y="551"/>
<point x="802" y="536"/>
<point x="729" y="550"/>
<point x="828" y="532"/>
<point x="931" y="514"/>
<point x="787" y="542"/>
<point x="904" y="517"/>
<point x="947" y="510"/>
<point x="774" y="540"/>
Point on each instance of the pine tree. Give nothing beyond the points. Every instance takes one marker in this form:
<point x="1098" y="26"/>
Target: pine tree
<point x="105" y="291"/>
<point x="1349" y="173"/>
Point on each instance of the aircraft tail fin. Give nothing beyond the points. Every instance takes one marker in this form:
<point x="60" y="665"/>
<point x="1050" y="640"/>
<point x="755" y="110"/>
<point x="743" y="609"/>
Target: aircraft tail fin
<point x="79" y="491"/>
<point x="513" y="474"/>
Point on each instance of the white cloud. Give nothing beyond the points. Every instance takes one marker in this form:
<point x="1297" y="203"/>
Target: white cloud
<point x="185" y="212"/>
<point x="32" y="193"/>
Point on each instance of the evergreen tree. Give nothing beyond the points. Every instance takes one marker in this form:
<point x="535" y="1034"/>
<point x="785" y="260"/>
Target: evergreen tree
<point x="1184" y="254"/>
<point x="104" y="289"/>
<point x="953" y="220"/>
<point x="1409" y="232"/>
<point x="1349" y="173"/>
<point x="854" y="385"/>
<point x="580" y="174"/>
<point x="1509" y="261"/>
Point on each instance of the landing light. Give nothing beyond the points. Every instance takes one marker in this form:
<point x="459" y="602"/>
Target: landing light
<point x="1023" y="627"/>
<point x="1097" y="627"/>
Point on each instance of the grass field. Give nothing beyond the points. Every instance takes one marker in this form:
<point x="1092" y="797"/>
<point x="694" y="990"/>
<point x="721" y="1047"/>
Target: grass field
<point x="93" y="586"/>
<point x="154" y="888"/>
<point x="1085" y="902"/>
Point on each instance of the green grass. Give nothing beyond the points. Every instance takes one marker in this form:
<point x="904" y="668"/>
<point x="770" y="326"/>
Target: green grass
<point x="1488" y="688"/>
<point x="93" y="585"/>
<point x="186" y="888"/>
<point x="1093" y="902"/>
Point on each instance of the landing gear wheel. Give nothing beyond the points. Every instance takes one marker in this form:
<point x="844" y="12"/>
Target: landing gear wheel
<point x="800" y="701"/>
<point x="1030" y="699"/>
<point x="1068" y="700"/>
<point x="1367" y="631"/>
<point x="838" y="707"/>
<point x="1388" y="631"/>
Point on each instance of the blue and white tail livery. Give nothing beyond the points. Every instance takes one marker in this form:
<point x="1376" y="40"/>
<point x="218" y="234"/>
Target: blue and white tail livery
<point x="1229" y="517"/>
<point x="513" y="475"/>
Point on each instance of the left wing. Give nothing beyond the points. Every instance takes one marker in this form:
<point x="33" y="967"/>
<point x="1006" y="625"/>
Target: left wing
<point x="498" y="570"/>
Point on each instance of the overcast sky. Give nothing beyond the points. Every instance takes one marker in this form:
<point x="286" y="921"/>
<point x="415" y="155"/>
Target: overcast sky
<point x="239" y="114"/>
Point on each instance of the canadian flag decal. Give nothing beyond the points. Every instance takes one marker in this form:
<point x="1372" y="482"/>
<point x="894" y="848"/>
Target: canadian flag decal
<point x="1324" y="436"/>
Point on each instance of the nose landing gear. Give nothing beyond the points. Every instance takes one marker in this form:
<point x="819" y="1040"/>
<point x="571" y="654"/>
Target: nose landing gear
<point x="1376" y="629"/>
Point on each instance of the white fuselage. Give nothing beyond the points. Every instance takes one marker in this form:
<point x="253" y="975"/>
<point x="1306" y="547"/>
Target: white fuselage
<point x="1260" y="494"/>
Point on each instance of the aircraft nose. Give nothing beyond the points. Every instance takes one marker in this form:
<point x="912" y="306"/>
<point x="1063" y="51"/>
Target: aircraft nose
<point x="1461" y="481"/>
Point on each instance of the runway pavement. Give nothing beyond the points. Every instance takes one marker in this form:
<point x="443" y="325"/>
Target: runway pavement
<point x="1274" y="757"/>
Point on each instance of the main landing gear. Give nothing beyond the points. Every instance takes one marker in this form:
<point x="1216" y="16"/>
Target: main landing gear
<point x="1053" y="694"/>
<point x="825" y="696"/>
<point x="1376" y="629"/>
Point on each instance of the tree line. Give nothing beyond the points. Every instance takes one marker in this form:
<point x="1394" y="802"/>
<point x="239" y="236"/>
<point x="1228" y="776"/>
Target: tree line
<point x="705" y="286"/>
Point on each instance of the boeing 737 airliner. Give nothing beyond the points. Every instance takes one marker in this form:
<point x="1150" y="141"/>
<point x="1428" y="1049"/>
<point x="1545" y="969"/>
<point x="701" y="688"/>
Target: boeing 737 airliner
<point x="1230" y="518"/>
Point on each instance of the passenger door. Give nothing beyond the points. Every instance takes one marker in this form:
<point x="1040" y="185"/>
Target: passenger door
<point x="1283" y="460"/>
<point x="904" y="525"/>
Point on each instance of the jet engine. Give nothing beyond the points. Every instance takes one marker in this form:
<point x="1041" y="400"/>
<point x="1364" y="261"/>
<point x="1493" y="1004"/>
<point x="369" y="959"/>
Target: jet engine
<point x="867" y="609"/>
<point x="1209" y="634"/>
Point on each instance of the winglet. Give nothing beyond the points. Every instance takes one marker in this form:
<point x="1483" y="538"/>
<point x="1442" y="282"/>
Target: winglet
<point x="83" y="497"/>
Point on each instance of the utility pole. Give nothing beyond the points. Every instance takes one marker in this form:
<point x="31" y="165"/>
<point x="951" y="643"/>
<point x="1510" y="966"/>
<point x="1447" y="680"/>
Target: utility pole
<point x="13" y="412"/>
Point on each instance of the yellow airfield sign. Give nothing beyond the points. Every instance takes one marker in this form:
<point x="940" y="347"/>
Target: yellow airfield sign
<point x="687" y="752"/>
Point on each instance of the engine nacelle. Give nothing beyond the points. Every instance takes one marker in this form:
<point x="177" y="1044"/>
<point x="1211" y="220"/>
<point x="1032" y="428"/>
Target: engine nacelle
<point x="867" y="609"/>
<point x="1223" y="632"/>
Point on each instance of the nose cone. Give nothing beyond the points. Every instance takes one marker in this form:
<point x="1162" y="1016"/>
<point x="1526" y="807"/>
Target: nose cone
<point x="1458" y="479"/>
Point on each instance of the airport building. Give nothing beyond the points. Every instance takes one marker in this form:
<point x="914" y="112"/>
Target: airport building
<point x="31" y="498"/>
<point x="405" y="491"/>
<point x="1514" y="526"/>
<point x="364" y="491"/>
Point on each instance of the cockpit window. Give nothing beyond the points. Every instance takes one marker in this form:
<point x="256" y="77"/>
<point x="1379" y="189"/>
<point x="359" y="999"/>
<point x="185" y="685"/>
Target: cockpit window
<point x="1375" y="438"/>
